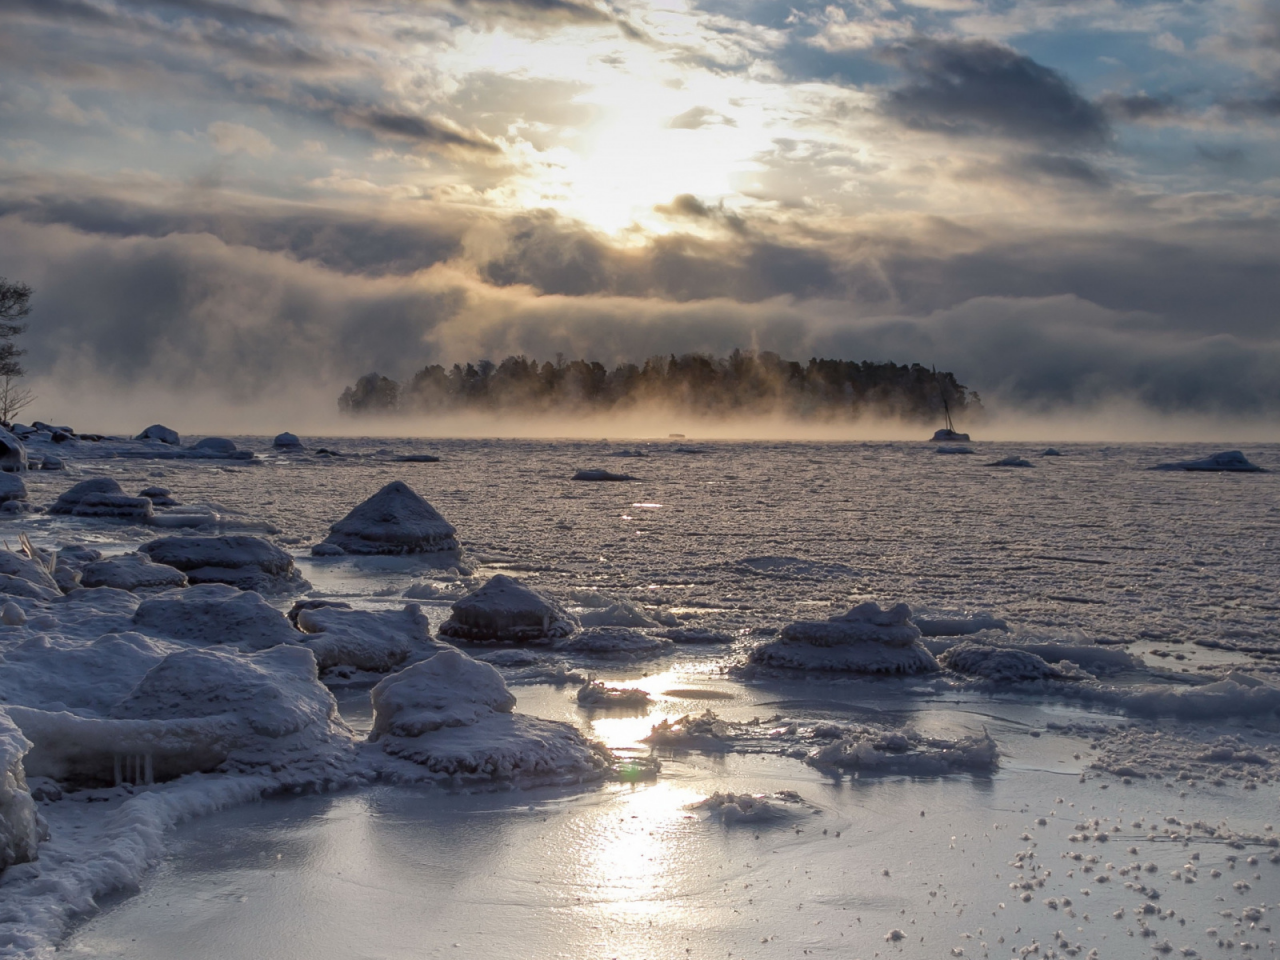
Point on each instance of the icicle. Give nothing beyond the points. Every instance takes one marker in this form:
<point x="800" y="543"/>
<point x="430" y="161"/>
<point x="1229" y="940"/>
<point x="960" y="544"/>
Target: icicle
<point x="119" y="779"/>
<point x="151" y="777"/>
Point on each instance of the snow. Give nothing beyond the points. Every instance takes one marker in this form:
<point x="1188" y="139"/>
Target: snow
<point x="620" y="614"/>
<point x="287" y="441"/>
<point x="448" y="690"/>
<point x="866" y="640"/>
<point x="504" y="610"/>
<point x="20" y="827"/>
<point x="220" y="446"/>
<point x="249" y="563"/>
<point x="159" y="496"/>
<point x="132" y="572"/>
<point x="1229" y="461"/>
<point x="619" y="643"/>
<point x="160" y="433"/>
<point x="999" y="664"/>
<point x="593" y="693"/>
<point x="873" y="752"/>
<point x="602" y="475"/>
<point x="753" y="809"/>
<point x="939" y="625"/>
<point x="12" y="488"/>
<point x="215" y="613"/>
<point x="376" y="641"/>
<point x="395" y="520"/>
<point x="101" y="497"/>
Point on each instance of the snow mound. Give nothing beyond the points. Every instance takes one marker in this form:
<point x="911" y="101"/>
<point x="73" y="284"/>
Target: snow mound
<point x="20" y="827"/>
<point x="504" y="610"/>
<point x="132" y="572"/>
<point x="215" y="613"/>
<point x="616" y="642"/>
<point x="12" y="488"/>
<point x="56" y="673"/>
<point x="620" y="614"/>
<point x="69" y="500"/>
<point x="1013" y="460"/>
<point x="1051" y="452"/>
<point x="161" y="433"/>
<point x="286" y="441"/>
<point x="593" y="693"/>
<point x="448" y="690"/>
<point x="867" y="751"/>
<point x="16" y="570"/>
<point x="932" y="625"/>
<point x="363" y="639"/>
<point x="13" y="455"/>
<point x="249" y="563"/>
<point x="602" y="476"/>
<point x="451" y="716"/>
<point x="696" y="635"/>
<point x="194" y="711"/>
<point x="101" y="497"/>
<point x="395" y="520"/>
<point x="752" y="808"/>
<point x="1001" y="664"/>
<point x="867" y="639"/>
<point x="950" y="436"/>
<point x="954" y="449"/>
<point x="159" y="496"/>
<point x="1228" y="461"/>
<point x="216" y="445"/>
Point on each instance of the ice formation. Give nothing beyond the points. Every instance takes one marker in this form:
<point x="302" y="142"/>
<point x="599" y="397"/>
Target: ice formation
<point x="159" y="496"/>
<point x="376" y="641"/>
<point x="867" y="751"/>
<point x="753" y="809"/>
<point x="13" y="455"/>
<point x="249" y="563"/>
<point x="20" y="827"/>
<point x="697" y="635"/>
<point x="619" y="643"/>
<point x="395" y="520"/>
<point x="1013" y="460"/>
<point x="218" y="445"/>
<point x="1051" y="452"/>
<point x="452" y="716"/>
<point x="601" y="475"/>
<point x="620" y="614"/>
<point x="286" y="441"/>
<point x="504" y="610"/>
<point x="161" y="433"/>
<point x="13" y="493"/>
<point x="132" y="571"/>
<point x="1228" y="461"/>
<point x="23" y="577"/>
<point x="937" y="625"/>
<point x="864" y="640"/>
<point x="593" y="693"/>
<point x="101" y="497"/>
<point x="1001" y="664"/>
<point x="703" y="732"/>
<point x="215" y="613"/>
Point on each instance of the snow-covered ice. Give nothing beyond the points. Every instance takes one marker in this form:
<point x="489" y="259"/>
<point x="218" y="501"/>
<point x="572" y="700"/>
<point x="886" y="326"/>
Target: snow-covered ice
<point x="132" y="572"/>
<point x="395" y="520"/>
<point x="1229" y="461"/>
<point x="865" y="640"/>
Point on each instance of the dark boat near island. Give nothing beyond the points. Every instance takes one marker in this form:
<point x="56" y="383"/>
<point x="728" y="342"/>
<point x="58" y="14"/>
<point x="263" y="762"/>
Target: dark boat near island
<point x="948" y="433"/>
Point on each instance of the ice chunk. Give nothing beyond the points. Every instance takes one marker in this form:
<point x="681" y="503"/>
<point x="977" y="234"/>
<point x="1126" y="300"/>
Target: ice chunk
<point x="159" y="496"/>
<point x="395" y="520"/>
<point x="697" y="635"/>
<point x="1051" y="452"/>
<point x="132" y="571"/>
<point x="215" y="614"/>
<point x="932" y="625"/>
<point x="601" y="475"/>
<point x="20" y="828"/>
<point x="161" y="433"/>
<point x="249" y="563"/>
<point x="620" y="614"/>
<point x="1229" y="461"/>
<point x="703" y="732"/>
<point x="593" y="693"/>
<point x="50" y="462"/>
<point x="869" y="752"/>
<point x="13" y="455"/>
<point x="84" y="677"/>
<point x="504" y="610"/>
<point x="363" y="639"/>
<point x="447" y="690"/>
<point x="67" y="503"/>
<point x="287" y="441"/>
<point x="12" y="488"/>
<point x="617" y="642"/>
<point x="12" y="615"/>
<point x="1013" y="460"/>
<point x="864" y="640"/>
<point x="755" y="809"/>
<point x="14" y="566"/>
<point x="1001" y="664"/>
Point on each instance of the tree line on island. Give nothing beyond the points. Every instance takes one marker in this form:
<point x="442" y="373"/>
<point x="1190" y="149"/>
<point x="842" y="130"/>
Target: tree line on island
<point x="744" y="383"/>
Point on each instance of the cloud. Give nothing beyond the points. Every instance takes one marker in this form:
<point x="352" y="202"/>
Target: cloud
<point x="980" y="88"/>
<point x="237" y="138"/>
<point x="428" y="133"/>
<point x="1140" y="107"/>
<point x="697" y="117"/>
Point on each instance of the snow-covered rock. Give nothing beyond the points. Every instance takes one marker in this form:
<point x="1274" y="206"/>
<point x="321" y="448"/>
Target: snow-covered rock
<point x="101" y="497"/>
<point x="395" y="520"/>
<point x="451" y="716"/>
<point x="13" y="455"/>
<point x="132" y="571"/>
<point x="417" y="458"/>
<point x="366" y="640"/>
<point x="249" y="563"/>
<point x="1051" y="452"/>
<point x="12" y="488"/>
<point x="1001" y="664"/>
<point x="56" y="672"/>
<point x="697" y="636"/>
<point x="864" y="640"/>
<point x="619" y="643"/>
<point x="504" y="610"/>
<point x="1228" y="461"/>
<point x="159" y="496"/>
<point x="620" y="614"/>
<point x="161" y="433"/>
<point x="50" y="462"/>
<point x="602" y="475"/>
<point x="287" y="441"/>
<point x="941" y="625"/>
<point x="1013" y="460"/>
<point x="220" y="446"/>
<point x="215" y="613"/>
<point x="23" y="577"/>
<point x="753" y="809"/>
<point x="20" y="828"/>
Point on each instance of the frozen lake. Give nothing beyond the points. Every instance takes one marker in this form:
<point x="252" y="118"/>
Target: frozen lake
<point x="1179" y="569"/>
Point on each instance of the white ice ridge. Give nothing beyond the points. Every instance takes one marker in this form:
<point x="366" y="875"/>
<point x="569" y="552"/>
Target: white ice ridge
<point x="395" y="520"/>
<point x="504" y="610"/>
<point x="1228" y="461"/>
<point x="867" y="640"/>
<point x="869" y="751"/>
<point x="249" y="563"/>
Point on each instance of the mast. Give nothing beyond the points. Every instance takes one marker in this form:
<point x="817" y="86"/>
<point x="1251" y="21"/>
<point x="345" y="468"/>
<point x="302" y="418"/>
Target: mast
<point x="946" y="407"/>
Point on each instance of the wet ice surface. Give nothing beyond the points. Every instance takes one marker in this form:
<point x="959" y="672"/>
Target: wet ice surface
<point x="743" y="539"/>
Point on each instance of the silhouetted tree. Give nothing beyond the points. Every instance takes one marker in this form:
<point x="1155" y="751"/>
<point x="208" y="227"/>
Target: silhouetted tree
<point x="15" y="306"/>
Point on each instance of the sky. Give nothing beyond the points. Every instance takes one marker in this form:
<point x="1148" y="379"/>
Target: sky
<point x="1068" y="203"/>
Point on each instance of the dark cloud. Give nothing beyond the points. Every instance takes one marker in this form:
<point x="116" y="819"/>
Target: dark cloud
<point x="1059" y="167"/>
<point x="685" y="205"/>
<point x="981" y="88"/>
<point x="1140" y="107"/>
<point x="1262" y="106"/>
<point x="411" y="127"/>
<point x="562" y="10"/>
<point x="1227" y="156"/>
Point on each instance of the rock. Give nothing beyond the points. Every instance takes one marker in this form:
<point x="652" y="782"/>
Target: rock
<point x="219" y="445"/>
<point x="1229" y="461"/>
<point x="114" y="506"/>
<point x="12" y="488"/>
<point x="50" y="462"/>
<point x="13" y="455"/>
<point x="249" y="563"/>
<point x="506" y="611"/>
<point x="67" y="503"/>
<point x="161" y="433"/>
<point x="960" y="449"/>
<point x="363" y="639"/>
<point x="1001" y="664"/>
<point x="395" y="520"/>
<point x="865" y="640"/>
<point x="12" y="615"/>
<point x="159" y="496"/>
<point x="1013" y="460"/>
<point x="448" y="690"/>
<point x="17" y="567"/>
<point x="417" y="458"/>
<point x="287" y="441"/>
<point x="131" y="572"/>
<point x="602" y="475"/>
<point x="617" y="643"/>
<point x="215" y="614"/>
